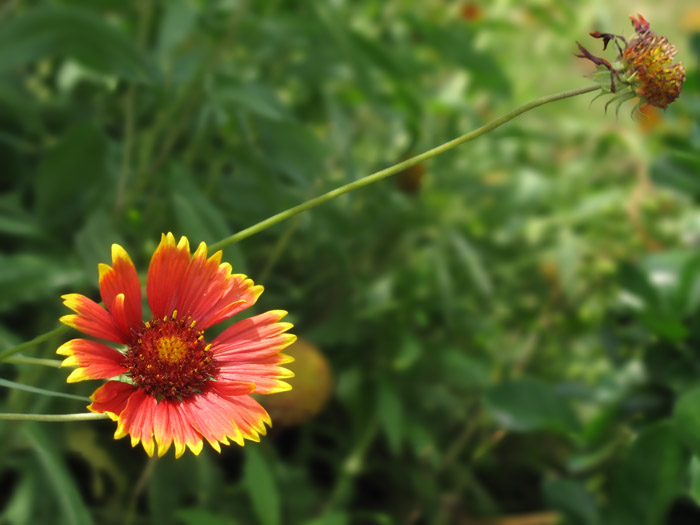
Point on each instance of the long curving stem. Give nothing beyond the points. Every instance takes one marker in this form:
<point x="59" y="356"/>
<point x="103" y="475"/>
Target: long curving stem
<point x="396" y="168"/>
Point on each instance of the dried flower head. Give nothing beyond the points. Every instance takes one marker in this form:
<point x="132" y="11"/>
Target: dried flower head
<point x="644" y="67"/>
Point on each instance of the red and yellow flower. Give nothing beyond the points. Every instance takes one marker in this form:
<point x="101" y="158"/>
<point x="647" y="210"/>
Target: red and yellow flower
<point x="169" y="384"/>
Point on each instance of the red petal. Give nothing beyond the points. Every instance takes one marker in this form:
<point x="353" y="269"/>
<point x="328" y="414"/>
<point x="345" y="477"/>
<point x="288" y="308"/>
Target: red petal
<point x="92" y="319"/>
<point x="94" y="360"/>
<point x="137" y="420"/>
<point x="249" y="416"/>
<point x="240" y="293"/>
<point x="210" y="415"/>
<point x="223" y="412"/>
<point x="250" y="351"/>
<point x="118" y="311"/>
<point x="199" y="285"/>
<point x="121" y="278"/>
<point x="111" y="398"/>
<point x="210" y="293"/>
<point x="163" y="428"/>
<point x="165" y="274"/>
<point x="267" y="378"/>
<point x="173" y="425"/>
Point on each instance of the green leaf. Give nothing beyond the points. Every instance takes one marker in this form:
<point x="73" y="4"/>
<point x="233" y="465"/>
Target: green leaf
<point x="291" y="148"/>
<point x="253" y="97"/>
<point x="73" y="509"/>
<point x="655" y="311"/>
<point x="177" y="22"/>
<point x="674" y="275"/>
<point x="408" y="353"/>
<point x="686" y="416"/>
<point x="94" y="240"/>
<point x="687" y="298"/>
<point x="50" y="31"/>
<point x="259" y="480"/>
<point x="636" y="281"/>
<point x="200" y="219"/>
<point x="391" y="417"/>
<point x="649" y="478"/>
<point x="463" y="371"/>
<point x="331" y="518"/>
<point x="573" y="500"/>
<point x="473" y="264"/>
<point x="72" y="177"/>
<point x="526" y="404"/>
<point x="678" y="172"/>
<point x="695" y="45"/>
<point x="198" y="516"/>
<point x="197" y="216"/>
<point x="16" y="221"/>
<point x="694" y="490"/>
<point x="20" y="502"/>
<point x="164" y="496"/>
<point x="455" y="43"/>
<point x="26" y="277"/>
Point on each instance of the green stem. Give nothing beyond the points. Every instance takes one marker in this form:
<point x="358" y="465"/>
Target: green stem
<point x="83" y="416"/>
<point x="22" y="360"/>
<point x="396" y="168"/>
<point x="138" y="489"/>
<point x="28" y="344"/>
<point x="351" y="467"/>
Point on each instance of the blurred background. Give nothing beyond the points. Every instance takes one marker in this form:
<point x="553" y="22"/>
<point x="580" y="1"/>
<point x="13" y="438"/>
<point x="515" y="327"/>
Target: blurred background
<point x="507" y="334"/>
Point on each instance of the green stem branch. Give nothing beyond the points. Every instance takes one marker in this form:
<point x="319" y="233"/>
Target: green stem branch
<point x="396" y="168"/>
<point x="37" y="340"/>
<point x="83" y="416"/>
<point x="22" y="360"/>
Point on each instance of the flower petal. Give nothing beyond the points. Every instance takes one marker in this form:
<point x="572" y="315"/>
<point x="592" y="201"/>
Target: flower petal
<point x="162" y="428"/>
<point x="92" y="319"/>
<point x="210" y="293"/>
<point x="165" y="274"/>
<point x="118" y="311"/>
<point x="137" y="419"/>
<point x="248" y="415"/>
<point x="250" y="351"/>
<point x="111" y="398"/>
<point x="241" y="293"/>
<point x="121" y="278"/>
<point x="211" y="415"/>
<point x="224" y="412"/>
<point x="172" y="425"/>
<point x="94" y="360"/>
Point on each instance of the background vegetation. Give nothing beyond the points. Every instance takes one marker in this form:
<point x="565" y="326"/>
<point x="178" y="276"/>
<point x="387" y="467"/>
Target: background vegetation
<point x="512" y="328"/>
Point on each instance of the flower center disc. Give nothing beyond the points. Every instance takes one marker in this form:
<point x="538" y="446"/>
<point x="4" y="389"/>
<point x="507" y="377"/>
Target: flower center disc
<point x="169" y="359"/>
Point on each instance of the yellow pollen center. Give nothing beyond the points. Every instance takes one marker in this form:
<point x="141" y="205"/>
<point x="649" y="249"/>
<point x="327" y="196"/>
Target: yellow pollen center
<point x="171" y="349"/>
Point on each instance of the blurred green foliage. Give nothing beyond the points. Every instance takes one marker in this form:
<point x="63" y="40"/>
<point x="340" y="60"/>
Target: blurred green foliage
<point x="512" y="330"/>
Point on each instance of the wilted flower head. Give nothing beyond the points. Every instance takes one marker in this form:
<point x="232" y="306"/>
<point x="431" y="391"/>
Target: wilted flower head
<point x="168" y="383"/>
<point x="644" y="67"/>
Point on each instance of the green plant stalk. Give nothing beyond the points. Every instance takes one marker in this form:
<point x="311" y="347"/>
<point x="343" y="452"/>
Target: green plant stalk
<point x="396" y="168"/>
<point x="21" y="360"/>
<point x="32" y="342"/>
<point x="352" y="466"/>
<point x="55" y="418"/>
